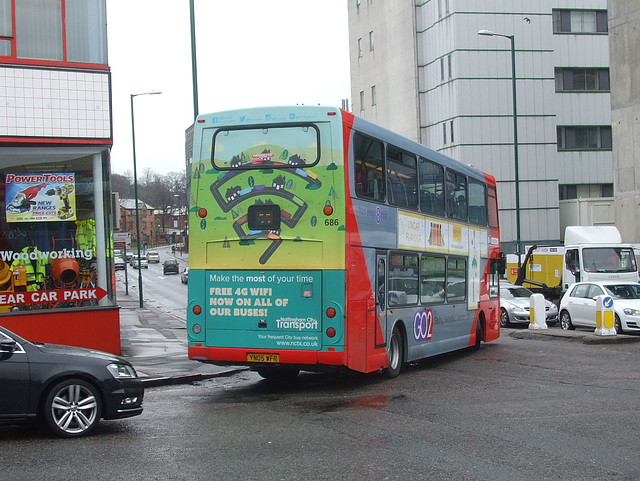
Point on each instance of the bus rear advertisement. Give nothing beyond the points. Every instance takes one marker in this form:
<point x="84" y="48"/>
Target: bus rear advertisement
<point x="320" y="241"/>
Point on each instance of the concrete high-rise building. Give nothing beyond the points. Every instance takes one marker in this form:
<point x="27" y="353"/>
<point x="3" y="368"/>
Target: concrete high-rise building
<point x="624" y="34"/>
<point x="420" y="68"/>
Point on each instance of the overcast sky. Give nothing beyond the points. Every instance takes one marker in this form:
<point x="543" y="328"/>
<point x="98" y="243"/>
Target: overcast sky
<point x="250" y="53"/>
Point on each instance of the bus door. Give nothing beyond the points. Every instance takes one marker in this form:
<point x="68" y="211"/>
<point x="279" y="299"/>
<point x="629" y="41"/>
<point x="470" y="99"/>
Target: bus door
<point x="381" y="297"/>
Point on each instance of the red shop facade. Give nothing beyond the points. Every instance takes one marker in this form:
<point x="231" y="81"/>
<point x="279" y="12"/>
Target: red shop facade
<point x="57" y="282"/>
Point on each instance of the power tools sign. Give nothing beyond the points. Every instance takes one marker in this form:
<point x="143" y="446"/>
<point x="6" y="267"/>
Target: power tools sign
<point x="40" y="197"/>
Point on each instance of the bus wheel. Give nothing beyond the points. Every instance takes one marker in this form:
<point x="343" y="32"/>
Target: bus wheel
<point x="278" y="373"/>
<point x="479" y="332"/>
<point x="395" y="354"/>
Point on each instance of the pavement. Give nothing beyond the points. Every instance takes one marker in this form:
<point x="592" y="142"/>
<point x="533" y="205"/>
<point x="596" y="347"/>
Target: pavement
<point x="155" y="342"/>
<point x="580" y="335"/>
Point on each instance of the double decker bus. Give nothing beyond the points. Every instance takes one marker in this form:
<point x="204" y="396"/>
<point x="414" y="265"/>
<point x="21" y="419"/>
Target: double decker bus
<point x="319" y="240"/>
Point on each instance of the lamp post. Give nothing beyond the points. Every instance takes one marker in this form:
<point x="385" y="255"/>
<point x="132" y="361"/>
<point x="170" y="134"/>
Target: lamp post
<point x="135" y="189"/>
<point x="489" y="33"/>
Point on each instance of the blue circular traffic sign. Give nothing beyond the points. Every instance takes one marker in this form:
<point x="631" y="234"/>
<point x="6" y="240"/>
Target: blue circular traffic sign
<point x="607" y="302"/>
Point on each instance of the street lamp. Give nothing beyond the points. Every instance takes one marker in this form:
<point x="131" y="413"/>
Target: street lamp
<point x="135" y="189"/>
<point x="489" y="33"/>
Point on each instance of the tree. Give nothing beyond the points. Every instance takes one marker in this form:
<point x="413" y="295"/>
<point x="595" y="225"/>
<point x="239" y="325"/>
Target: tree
<point x="123" y="185"/>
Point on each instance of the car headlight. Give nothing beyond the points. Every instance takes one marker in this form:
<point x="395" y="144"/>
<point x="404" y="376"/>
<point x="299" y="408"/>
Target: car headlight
<point x="515" y="308"/>
<point x="631" y="312"/>
<point x="122" y="371"/>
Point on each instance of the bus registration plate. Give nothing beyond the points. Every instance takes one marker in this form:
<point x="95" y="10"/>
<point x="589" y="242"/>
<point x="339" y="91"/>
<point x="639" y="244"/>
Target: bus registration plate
<point x="255" y="357"/>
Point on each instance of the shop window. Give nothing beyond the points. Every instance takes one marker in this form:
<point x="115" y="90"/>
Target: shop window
<point x="53" y="247"/>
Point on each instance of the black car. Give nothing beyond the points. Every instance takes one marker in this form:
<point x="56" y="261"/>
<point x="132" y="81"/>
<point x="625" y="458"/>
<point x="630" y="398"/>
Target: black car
<point x="69" y="388"/>
<point x="170" y="265"/>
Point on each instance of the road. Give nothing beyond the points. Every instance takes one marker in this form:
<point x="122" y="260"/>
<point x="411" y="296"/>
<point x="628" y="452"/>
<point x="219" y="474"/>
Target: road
<point x="518" y="409"/>
<point x="163" y="291"/>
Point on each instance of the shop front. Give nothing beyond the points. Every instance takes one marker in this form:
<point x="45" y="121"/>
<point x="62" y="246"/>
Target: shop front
<point x="57" y="281"/>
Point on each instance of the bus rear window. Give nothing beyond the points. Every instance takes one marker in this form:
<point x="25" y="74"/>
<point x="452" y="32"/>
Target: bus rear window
<point x="266" y="146"/>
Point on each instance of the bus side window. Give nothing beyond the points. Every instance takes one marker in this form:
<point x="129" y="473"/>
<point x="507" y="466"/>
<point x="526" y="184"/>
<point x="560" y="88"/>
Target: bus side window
<point x="456" y="195"/>
<point x="432" y="279"/>
<point x="431" y="187"/>
<point x="456" y="280"/>
<point x="368" y="165"/>
<point x="402" y="178"/>
<point x="477" y="202"/>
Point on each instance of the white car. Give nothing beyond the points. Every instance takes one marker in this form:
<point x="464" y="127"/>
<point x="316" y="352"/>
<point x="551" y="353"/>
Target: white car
<point x="119" y="263"/>
<point x="142" y="261"/>
<point x="515" y="303"/>
<point x="578" y="305"/>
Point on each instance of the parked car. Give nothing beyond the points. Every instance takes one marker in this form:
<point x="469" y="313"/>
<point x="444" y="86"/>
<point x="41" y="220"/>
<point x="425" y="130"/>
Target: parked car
<point x="170" y="265"/>
<point x="139" y="261"/>
<point x="68" y="388"/>
<point x="515" y="303"/>
<point x="184" y="277"/>
<point x="121" y="253"/>
<point x="119" y="263"/>
<point x="578" y="305"/>
<point x="153" y="256"/>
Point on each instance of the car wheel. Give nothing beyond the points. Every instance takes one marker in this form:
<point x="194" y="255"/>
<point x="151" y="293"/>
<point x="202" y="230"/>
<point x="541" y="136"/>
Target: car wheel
<point x="565" y="321"/>
<point x="504" y="318"/>
<point x="617" y="325"/>
<point x="395" y="354"/>
<point x="73" y="408"/>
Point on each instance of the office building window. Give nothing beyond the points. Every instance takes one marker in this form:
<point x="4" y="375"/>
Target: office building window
<point x="444" y="133"/>
<point x="71" y="31"/>
<point x="580" y="21"/>
<point x="371" y="41"/>
<point x="449" y="66"/>
<point x="442" y="68"/>
<point x="584" y="138"/>
<point x="588" y="191"/>
<point x="451" y="129"/>
<point x="362" y="100"/>
<point x="571" y="79"/>
<point x="373" y="95"/>
<point x="359" y="48"/>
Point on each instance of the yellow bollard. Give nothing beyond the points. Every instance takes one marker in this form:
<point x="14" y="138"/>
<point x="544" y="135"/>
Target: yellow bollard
<point x="605" y="316"/>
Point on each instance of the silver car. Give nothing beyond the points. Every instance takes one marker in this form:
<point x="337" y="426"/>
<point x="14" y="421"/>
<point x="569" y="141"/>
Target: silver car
<point x="515" y="303"/>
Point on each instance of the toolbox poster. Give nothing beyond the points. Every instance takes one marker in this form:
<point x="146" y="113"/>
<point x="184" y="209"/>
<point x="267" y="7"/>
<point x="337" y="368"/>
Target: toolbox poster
<point x="40" y="197"/>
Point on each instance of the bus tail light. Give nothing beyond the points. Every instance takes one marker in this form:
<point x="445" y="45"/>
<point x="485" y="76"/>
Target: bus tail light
<point x="202" y="212"/>
<point x="328" y="210"/>
<point x="331" y="332"/>
<point x="197" y="310"/>
<point x="197" y="328"/>
<point x="331" y="313"/>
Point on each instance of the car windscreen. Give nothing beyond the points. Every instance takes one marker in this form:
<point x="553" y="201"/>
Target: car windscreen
<point x="511" y="292"/>
<point x="624" y="291"/>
